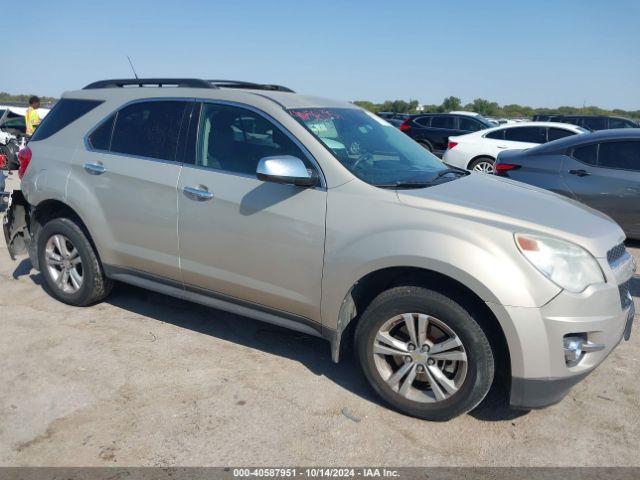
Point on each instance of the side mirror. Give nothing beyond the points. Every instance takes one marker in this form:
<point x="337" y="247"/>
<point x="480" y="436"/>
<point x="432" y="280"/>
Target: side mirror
<point x="286" y="169"/>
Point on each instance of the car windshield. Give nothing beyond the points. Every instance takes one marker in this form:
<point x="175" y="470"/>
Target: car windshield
<point x="369" y="147"/>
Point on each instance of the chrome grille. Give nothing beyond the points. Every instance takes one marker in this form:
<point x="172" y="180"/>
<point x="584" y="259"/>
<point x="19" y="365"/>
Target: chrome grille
<point x="615" y="253"/>
<point x="625" y="294"/>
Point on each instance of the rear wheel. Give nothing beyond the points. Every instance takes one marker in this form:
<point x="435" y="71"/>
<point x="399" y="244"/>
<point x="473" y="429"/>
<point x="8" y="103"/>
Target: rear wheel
<point x="424" y="354"/>
<point x="70" y="267"/>
<point x="483" y="165"/>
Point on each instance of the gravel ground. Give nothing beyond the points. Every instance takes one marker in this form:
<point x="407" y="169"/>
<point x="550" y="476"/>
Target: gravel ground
<point x="144" y="379"/>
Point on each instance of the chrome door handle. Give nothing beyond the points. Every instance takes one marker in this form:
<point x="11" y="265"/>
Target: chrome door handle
<point x="199" y="193"/>
<point x="502" y="146"/>
<point x="94" y="168"/>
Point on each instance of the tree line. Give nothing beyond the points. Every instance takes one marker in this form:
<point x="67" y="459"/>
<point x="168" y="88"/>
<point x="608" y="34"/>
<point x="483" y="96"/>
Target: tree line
<point x="489" y="108"/>
<point x="22" y="99"/>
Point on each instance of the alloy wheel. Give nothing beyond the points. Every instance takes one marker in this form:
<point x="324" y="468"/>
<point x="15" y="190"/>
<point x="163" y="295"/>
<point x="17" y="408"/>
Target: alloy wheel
<point x="484" y="167"/>
<point x="64" y="264"/>
<point x="420" y="357"/>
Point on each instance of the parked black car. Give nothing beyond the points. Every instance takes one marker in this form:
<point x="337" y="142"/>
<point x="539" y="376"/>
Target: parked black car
<point x="600" y="169"/>
<point x="432" y="130"/>
<point x="591" y="122"/>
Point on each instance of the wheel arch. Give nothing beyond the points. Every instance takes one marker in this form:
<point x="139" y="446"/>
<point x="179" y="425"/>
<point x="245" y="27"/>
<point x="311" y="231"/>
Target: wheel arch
<point x="50" y="209"/>
<point x="478" y="157"/>
<point x="373" y="283"/>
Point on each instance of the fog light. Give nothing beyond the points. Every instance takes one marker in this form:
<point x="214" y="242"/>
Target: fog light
<point x="573" y="349"/>
<point x="576" y="345"/>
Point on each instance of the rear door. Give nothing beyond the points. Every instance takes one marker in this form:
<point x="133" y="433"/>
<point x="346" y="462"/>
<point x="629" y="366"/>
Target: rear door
<point x="442" y="127"/>
<point x="606" y="176"/>
<point x="127" y="182"/>
<point x="242" y="239"/>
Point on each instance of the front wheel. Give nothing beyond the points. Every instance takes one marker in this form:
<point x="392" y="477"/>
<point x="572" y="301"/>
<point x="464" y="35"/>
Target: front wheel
<point x="424" y="354"/>
<point x="483" y="165"/>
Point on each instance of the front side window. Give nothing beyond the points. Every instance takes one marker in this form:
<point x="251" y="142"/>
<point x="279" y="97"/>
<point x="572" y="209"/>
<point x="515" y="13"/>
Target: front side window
<point x="621" y="123"/>
<point x="625" y="155"/>
<point x="470" y="125"/>
<point x="149" y="129"/>
<point x="587" y="153"/>
<point x="526" y="134"/>
<point x="595" y="123"/>
<point x="370" y="149"/>
<point x="234" y="139"/>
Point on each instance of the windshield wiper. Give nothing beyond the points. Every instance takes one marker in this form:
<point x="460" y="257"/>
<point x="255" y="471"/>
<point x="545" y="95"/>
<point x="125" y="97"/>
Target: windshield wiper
<point x="424" y="184"/>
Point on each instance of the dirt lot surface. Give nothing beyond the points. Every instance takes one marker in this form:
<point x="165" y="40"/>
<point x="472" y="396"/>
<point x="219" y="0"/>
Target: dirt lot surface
<point x="144" y="379"/>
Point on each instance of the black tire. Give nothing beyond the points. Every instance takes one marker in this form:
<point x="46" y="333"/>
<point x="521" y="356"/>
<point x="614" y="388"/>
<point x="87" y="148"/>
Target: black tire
<point x="95" y="286"/>
<point x="482" y="160"/>
<point x="480" y="357"/>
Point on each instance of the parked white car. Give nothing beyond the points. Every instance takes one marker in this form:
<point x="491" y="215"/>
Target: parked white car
<point x="478" y="150"/>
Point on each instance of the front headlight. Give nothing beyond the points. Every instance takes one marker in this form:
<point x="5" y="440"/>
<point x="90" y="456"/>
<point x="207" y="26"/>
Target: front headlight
<point x="564" y="263"/>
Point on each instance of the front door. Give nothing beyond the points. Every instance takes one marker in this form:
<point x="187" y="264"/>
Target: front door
<point x="241" y="238"/>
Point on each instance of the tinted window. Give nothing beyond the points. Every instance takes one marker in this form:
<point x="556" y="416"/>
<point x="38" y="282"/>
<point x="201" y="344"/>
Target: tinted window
<point x="63" y="113"/>
<point x="235" y="139"/>
<point x="442" y="122"/>
<point x="497" y="135"/>
<point x="100" y="139"/>
<point x="624" y="155"/>
<point x="586" y="153"/>
<point x="596" y="123"/>
<point x="557" y="133"/>
<point x="526" y="134"/>
<point x="423" y="121"/>
<point x="621" y="123"/>
<point x="470" y="125"/>
<point x="148" y="129"/>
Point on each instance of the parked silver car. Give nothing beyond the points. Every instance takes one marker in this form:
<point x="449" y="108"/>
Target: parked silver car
<point x="316" y="215"/>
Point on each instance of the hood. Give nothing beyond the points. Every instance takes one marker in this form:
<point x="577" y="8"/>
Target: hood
<point x="518" y="207"/>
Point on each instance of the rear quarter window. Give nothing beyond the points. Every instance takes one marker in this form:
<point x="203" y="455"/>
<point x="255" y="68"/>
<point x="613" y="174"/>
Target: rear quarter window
<point x="64" y="112"/>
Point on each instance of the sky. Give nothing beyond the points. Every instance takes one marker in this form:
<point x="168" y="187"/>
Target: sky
<point x="540" y="53"/>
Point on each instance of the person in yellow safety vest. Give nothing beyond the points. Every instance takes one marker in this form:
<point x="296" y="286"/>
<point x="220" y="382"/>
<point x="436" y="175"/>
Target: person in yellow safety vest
<point x="32" y="119"/>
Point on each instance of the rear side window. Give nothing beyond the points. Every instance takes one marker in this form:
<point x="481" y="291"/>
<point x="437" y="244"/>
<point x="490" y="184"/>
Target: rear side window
<point x="442" y="122"/>
<point x="557" y="133"/>
<point x="526" y="134"/>
<point x="149" y="129"/>
<point x="496" y="135"/>
<point x="587" y="153"/>
<point x="625" y="155"/>
<point x="423" y="121"/>
<point x="100" y="139"/>
<point x="63" y="113"/>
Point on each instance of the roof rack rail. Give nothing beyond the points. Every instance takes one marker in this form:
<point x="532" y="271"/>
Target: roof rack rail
<point x="158" y="82"/>
<point x="249" y="85"/>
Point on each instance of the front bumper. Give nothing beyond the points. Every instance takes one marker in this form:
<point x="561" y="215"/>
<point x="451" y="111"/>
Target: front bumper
<point x="541" y="375"/>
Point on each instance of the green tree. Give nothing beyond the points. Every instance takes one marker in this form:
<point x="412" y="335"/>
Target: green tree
<point x="451" y="103"/>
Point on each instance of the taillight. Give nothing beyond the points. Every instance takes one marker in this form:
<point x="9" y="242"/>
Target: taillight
<point x="24" y="157"/>
<point x="501" y="169"/>
<point x="3" y="161"/>
<point x="451" y="144"/>
<point x="404" y="126"/>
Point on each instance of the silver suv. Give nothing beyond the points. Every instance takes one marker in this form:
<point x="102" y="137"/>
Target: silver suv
<point x="319" y="216"/>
